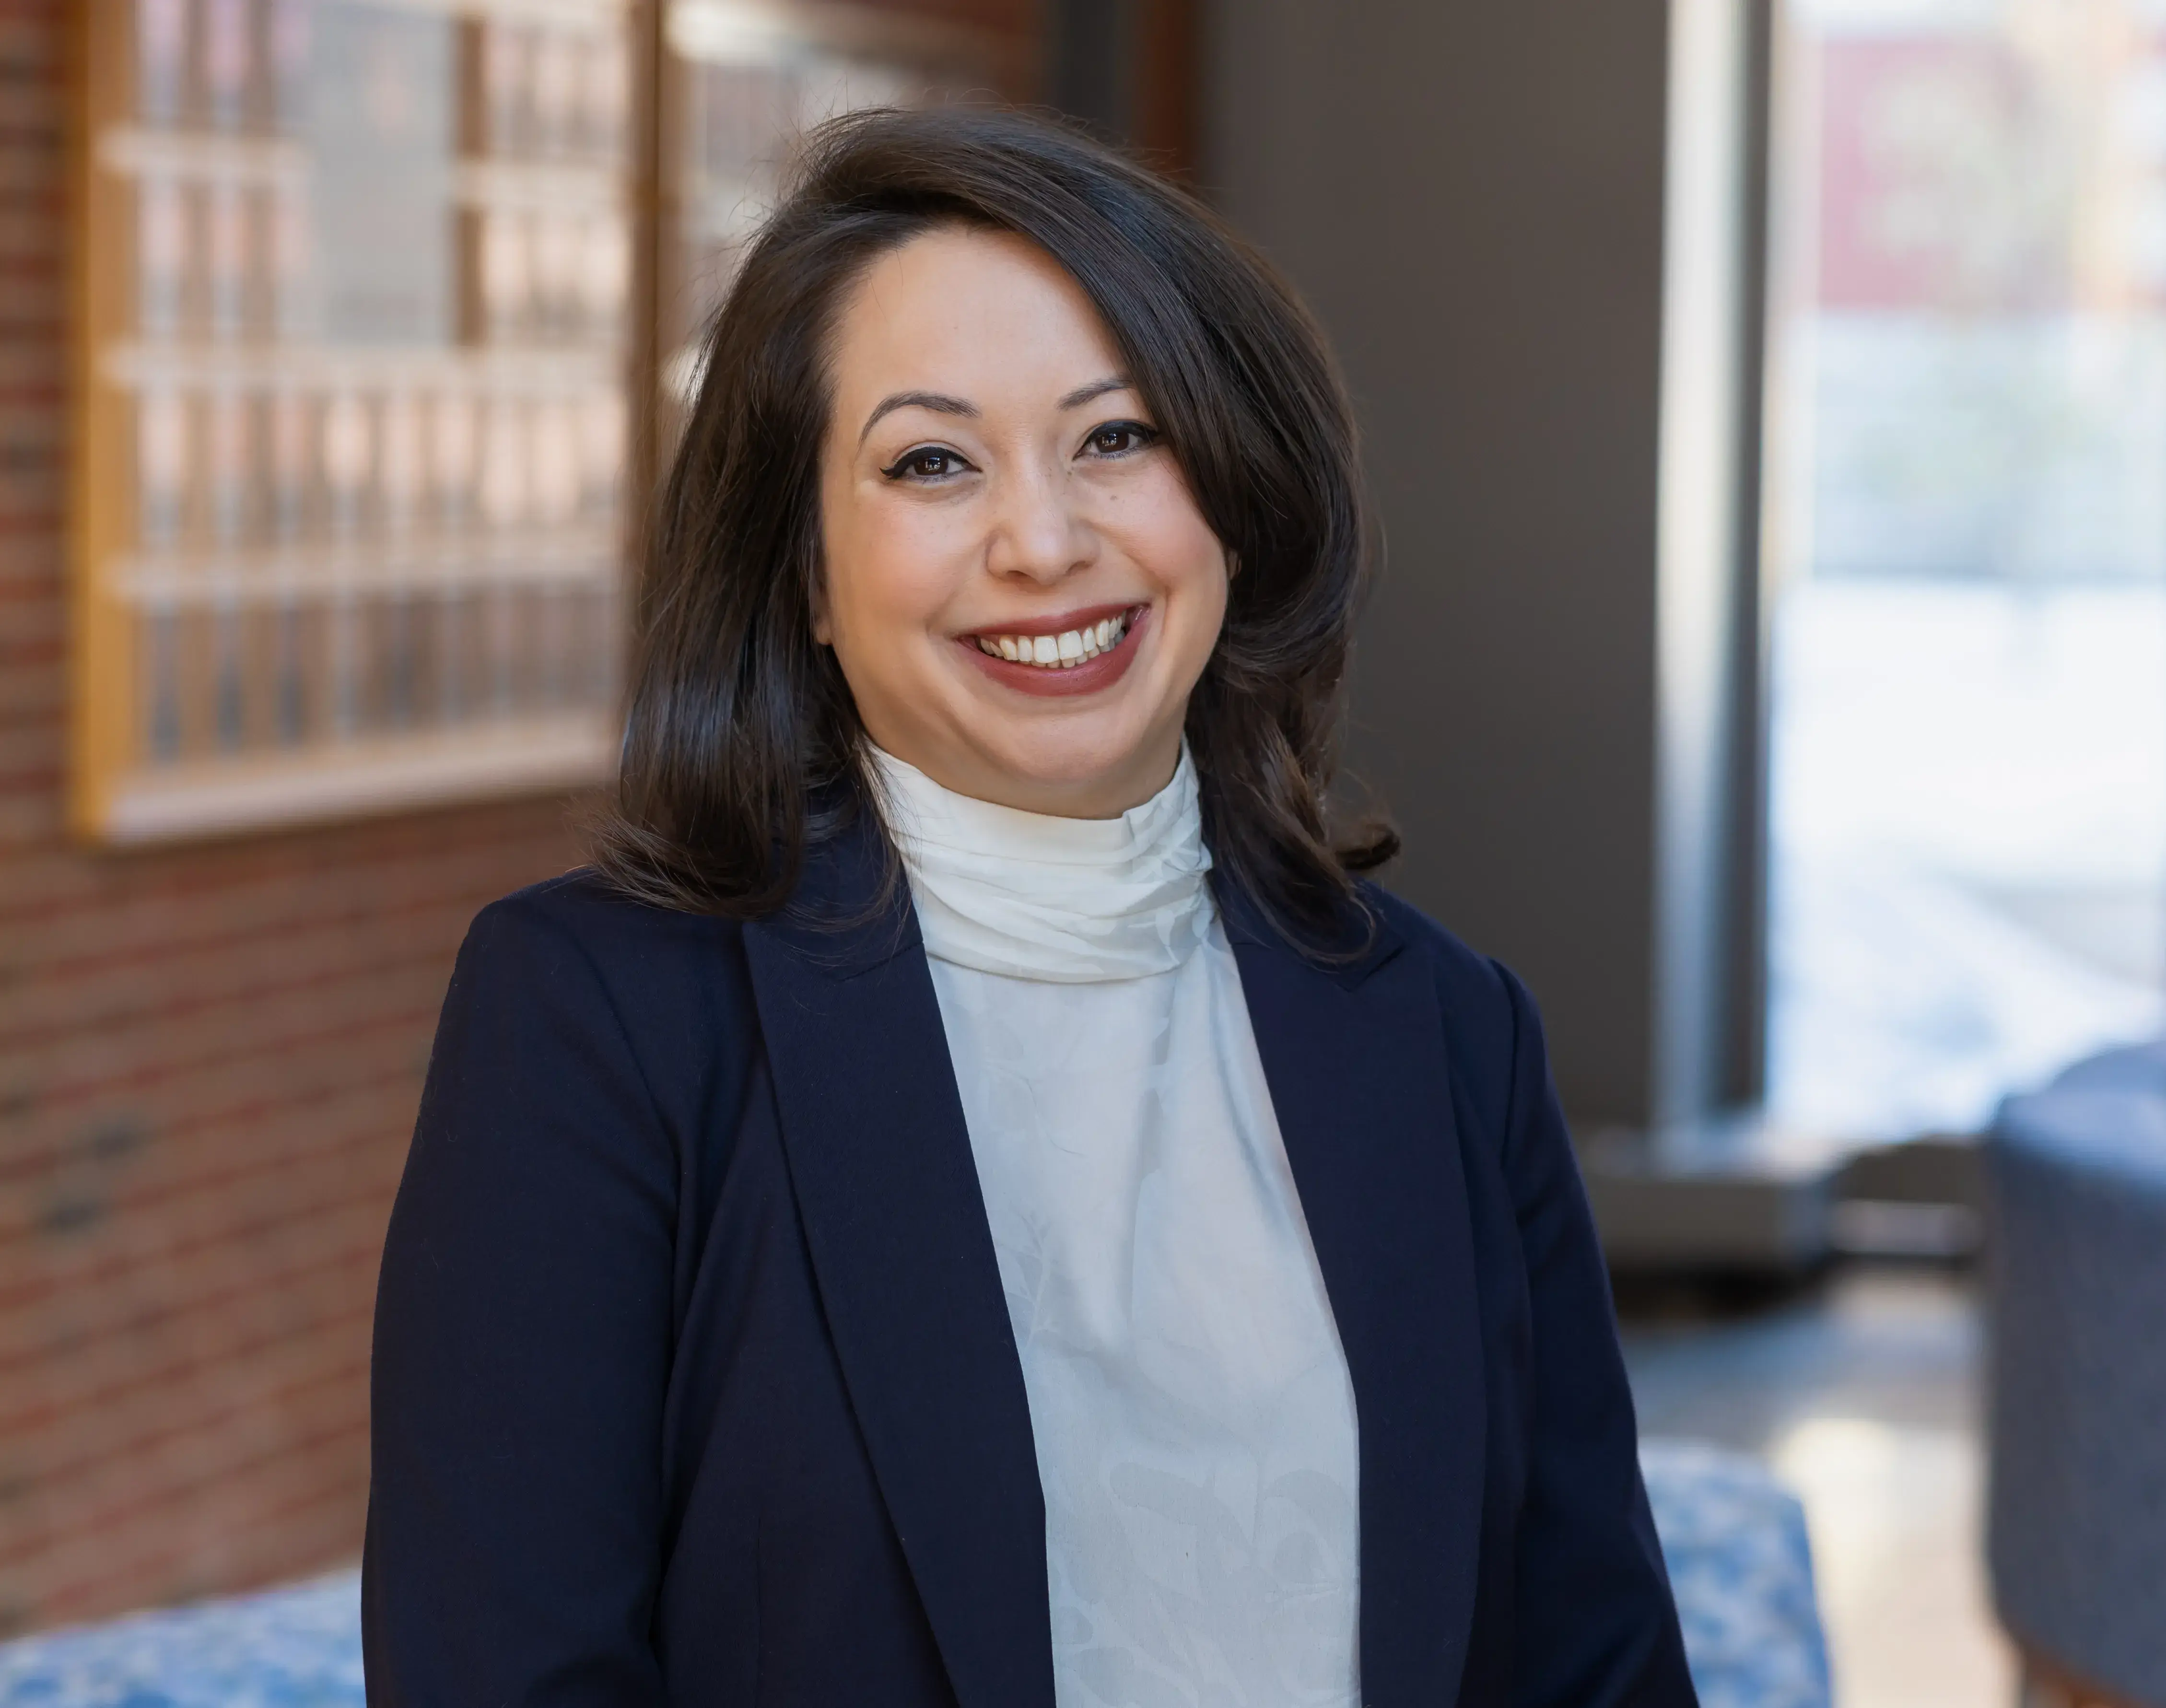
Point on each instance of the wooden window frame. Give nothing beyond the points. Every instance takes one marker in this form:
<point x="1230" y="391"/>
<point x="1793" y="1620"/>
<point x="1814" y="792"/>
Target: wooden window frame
<point x="119" y="794"/>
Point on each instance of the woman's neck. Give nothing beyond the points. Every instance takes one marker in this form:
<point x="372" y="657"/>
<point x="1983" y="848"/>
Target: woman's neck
<point x="1061" y="788"/>
<point x="1048" y="897"/>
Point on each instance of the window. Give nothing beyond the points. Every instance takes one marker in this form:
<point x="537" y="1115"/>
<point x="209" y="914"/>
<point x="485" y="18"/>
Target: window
<point x="739" y="83"/>
<point x="1966" y="536"/>
<point x="365" y="286"/>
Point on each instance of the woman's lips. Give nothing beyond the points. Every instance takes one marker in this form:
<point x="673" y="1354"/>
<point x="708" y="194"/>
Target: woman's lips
<point x="1087" y="675"/>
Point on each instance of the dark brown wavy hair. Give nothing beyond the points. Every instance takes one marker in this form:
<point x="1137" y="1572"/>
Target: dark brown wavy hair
<point x="742" y="748"/>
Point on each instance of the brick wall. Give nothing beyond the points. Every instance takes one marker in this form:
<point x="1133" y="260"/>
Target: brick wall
<point x="209" y="1059"/>
<point x="209" y="1062"/>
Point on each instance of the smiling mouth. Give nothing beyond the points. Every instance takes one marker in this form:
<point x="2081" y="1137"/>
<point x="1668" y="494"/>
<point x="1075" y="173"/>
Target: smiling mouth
<point x="1062" y="651"/>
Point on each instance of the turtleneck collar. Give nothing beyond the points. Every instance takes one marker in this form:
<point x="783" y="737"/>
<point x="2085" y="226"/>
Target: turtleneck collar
<point x="1067" y="901"/>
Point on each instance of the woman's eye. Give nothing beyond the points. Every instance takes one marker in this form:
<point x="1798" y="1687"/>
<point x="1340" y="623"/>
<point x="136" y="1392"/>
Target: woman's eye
<point x="926" y="463"/>
<point x="1119" y="438"/>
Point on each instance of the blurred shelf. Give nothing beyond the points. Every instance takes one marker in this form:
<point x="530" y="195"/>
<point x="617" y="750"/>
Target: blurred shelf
<point x="490" y="370"/>
<point x="542" y="186"/>
<point x="559" y="558"/>
<point x="268" y="161"/>
<point x="742" y="32"/>
<point x="560" y="14"/>
<point x="468" y="762"/>
<point x="1733" y="1192"/>
<point x="1743" y="1193"/>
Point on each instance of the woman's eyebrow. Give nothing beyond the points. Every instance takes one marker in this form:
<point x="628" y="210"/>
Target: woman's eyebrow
<point x="1097" y="387"/>
<point x="920" y="400"/>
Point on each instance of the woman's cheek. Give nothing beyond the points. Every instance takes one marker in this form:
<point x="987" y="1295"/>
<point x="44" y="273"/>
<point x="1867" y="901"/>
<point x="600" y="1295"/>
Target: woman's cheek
<point x="928" y="563"/>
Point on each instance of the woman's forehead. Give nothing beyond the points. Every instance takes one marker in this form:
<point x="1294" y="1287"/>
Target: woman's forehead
<point x="986" y="316"/>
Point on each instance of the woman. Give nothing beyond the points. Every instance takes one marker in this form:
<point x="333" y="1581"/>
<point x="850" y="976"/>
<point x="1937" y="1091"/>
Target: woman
<point x="970" y="1199"/>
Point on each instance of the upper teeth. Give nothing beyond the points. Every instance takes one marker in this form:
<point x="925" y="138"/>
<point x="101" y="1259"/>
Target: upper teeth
<point x="1060" y="652"/>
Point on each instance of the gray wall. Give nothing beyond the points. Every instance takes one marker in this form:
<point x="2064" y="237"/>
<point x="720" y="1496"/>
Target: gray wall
<point x="1471" y="195"/>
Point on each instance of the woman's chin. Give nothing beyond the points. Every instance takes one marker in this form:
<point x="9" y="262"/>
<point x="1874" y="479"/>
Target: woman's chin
<point x="1081" y="780"/>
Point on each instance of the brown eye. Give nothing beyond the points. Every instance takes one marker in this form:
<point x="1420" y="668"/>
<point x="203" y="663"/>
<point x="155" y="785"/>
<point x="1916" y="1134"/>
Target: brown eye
<point x="926" y="463"/>
<point x="1118" y="438"/>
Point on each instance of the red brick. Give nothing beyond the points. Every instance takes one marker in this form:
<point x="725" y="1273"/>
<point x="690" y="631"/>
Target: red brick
<point x="209" y="1062"/>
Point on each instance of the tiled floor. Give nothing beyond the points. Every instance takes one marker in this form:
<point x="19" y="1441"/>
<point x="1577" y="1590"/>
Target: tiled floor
<point x="1863" y="1393"/>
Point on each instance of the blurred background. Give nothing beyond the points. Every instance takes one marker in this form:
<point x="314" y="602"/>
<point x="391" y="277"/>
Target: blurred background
<point x="1766" y="404"/>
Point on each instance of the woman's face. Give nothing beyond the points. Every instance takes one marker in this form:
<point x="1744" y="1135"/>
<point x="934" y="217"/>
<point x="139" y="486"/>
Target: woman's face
<point x="1019" y="588"/>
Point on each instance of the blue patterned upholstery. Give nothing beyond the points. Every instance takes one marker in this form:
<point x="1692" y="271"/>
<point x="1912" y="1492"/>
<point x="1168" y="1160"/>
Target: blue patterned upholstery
<point x="2077" y="1510"/>
<point x="1733" y="1539"/>
<point x="294" y="1648"/>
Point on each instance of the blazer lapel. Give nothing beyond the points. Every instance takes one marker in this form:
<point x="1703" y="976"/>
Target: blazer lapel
<point x="880" y="1161"/>
<point x="1354" y="1059"/>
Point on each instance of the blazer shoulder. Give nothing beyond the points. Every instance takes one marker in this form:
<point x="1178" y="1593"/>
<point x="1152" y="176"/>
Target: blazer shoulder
<point x="660" y="970"/>
<point x="1464" y="975"/>
<point x="1484" y="1006"/>
<point x="580" y="908"/>
<point x="667" y="991"/>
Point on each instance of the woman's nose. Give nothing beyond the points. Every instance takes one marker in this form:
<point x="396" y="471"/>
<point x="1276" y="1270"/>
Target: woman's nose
<point x="1037" y="533"/>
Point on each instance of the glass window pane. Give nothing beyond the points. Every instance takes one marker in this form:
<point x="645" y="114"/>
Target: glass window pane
<point x="742" y="84"/>
<point x="361" y="312"/>
<point x="1966" y="534"/>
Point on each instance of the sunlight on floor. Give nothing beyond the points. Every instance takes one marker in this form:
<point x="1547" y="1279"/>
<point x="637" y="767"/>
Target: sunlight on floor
<point x="1894" y="1514"/>
<point x="1861" y="1393"/>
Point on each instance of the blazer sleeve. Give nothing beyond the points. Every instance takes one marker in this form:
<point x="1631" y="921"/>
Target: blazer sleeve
<point x="523" y="1332"/>
<point x="1596" y="1627"/>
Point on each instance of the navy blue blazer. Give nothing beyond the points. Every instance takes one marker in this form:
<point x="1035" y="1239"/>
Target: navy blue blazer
<point x="693" y="1383"/>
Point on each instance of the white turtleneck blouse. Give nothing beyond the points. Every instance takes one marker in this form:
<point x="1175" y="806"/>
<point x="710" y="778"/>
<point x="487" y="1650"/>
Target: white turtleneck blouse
<point x="1189" y="1400"/>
